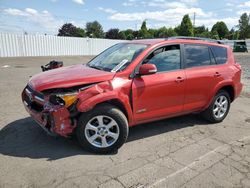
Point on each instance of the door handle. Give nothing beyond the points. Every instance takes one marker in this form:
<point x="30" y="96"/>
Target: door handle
<point x="217" y="74"/>
<point x="179" y="79"/>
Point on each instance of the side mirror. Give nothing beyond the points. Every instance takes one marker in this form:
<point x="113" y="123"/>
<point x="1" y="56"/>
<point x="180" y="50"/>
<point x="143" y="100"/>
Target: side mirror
<point x="147" y="69"/>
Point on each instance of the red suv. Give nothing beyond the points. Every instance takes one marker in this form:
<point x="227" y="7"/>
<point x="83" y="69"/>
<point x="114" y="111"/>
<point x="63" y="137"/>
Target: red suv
<point x="132" y="83"/>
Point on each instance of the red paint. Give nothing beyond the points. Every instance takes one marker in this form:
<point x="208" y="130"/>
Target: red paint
<point x="60" y="124"/>
<point x="145" y="98"/>
<point x="67" y="77"/>
<point x="147" y="69"/>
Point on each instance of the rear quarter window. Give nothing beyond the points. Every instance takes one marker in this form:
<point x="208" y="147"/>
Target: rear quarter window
<point x="220" y="54"/>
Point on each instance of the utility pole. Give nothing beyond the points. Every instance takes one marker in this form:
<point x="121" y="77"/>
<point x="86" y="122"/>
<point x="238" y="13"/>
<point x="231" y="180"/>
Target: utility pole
<point x="194" y="23"/>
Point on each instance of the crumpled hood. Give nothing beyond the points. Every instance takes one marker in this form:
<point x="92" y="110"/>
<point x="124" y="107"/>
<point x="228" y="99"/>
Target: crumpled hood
<point x="68" y="77"/>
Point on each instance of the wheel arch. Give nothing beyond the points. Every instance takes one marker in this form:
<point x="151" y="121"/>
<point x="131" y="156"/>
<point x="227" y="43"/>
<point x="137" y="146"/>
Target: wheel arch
<point x="117" y="103"/>
<point x="122" y="105"/>
<point x="230" y="90"/>
<point x="228" y="87"/>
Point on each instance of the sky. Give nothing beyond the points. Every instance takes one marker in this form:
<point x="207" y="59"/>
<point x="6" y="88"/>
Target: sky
<point x="46" y="16"/>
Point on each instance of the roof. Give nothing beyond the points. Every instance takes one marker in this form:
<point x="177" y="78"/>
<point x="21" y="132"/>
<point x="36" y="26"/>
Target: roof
<point x="148" y="41"/>
<point x="192" y="40"/>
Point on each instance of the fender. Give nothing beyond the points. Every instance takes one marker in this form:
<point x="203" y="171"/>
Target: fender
<point x="217" y="88"/>
<point x="103" y="92"/>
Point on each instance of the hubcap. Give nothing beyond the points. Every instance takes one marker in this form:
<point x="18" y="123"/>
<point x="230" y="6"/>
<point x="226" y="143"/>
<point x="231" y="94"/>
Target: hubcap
<point x="102" y="131"/>
<point x="220" y="107"/>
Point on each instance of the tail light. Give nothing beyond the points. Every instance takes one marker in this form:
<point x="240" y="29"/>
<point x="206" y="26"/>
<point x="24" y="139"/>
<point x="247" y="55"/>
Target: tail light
<point x="237" y="65"/>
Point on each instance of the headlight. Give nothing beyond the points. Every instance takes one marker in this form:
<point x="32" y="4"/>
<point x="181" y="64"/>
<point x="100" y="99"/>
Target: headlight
<point x="68" y="98"/>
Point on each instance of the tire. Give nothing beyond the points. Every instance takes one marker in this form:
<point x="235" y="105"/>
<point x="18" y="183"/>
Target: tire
<point x="103" y="130"/>
<point x="216" y="116"/>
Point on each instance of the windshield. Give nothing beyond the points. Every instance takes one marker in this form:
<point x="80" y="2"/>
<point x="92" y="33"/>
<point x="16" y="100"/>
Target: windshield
<point x="117" y="57"/>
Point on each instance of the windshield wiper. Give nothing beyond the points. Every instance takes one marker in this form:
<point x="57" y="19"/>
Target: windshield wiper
<point x="95" y="67"/>
<point x="100" y="68"/>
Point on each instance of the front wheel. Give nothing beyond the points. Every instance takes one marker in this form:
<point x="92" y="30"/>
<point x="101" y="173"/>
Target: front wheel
<point x="103" y="129"/>
<point x="219" y="108"/>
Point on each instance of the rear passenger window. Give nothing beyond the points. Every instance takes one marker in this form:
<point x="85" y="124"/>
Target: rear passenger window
<point x="212" y="59"/>
<point x="197" y="55"/>
<point x="220" y="54"/>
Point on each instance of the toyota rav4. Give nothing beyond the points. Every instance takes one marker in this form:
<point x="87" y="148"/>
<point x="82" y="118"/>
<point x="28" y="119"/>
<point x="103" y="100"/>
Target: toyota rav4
<point x="132" y="83"/>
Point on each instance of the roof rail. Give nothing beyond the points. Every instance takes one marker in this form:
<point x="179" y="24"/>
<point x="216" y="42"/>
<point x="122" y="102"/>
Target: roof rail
<point x="195" y="38"/>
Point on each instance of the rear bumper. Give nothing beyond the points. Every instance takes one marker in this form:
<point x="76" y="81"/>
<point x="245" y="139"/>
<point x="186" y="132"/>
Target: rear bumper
<point x="54" y="119"/>
<point x="238" y="89"/>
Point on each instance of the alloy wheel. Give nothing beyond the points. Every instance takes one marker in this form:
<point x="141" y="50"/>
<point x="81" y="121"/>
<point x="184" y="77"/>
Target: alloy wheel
<point x="102" y="131"/>
<point x="220" y="107"/>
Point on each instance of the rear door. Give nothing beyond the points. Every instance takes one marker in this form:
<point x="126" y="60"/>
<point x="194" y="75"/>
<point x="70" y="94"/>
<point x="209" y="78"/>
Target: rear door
<point x="160" y="94"/>
<point x="201" y="76"/>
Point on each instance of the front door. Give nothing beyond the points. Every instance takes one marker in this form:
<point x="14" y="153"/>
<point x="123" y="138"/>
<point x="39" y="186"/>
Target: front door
<point x="161" y="94"/>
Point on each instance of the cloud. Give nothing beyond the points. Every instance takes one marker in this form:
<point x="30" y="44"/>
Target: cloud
<point x="189" y="1"/>
<point x="15" y="12"/>
<point x="244" y="5"/>
<point x="80" y="24"/>
<point x="78" y="1"/>
<point x="173" y="15"/>
<point x="43" y="18"/>
<point x="133" y="3"/>
<point x="240" y="12"/>
<point x="169" y="15"/>
<point x="167" y="4"/>
<point x="161" y="3"/>
<point x="230" y="22"/>
<point x="230" y="4"/>
<point x="107" y="10"/>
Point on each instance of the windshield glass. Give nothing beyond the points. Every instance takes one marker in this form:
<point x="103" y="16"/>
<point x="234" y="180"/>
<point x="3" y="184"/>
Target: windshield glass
<point x="117" y="57"/>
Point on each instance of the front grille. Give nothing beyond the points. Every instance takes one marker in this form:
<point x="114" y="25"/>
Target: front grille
<point x="34" y="105"/>
<point x="35" y="93"/>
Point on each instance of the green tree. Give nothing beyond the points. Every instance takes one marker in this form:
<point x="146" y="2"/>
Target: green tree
<point x="233" y="35"/>
<point x="161" y="32"/>
<point x="136" y="34"/>
<point x="221" y="29"/>
<point x="143" y="32"/>
<point x="236" y="35"/>
<point x="186" y="27"/>
<point x="152" y="33"/>
<point x="112" y="34"/>
<point x="80" y="32"/>
<point x="68" y="29"/>
<point x="171" y="32"/>
<point x="122" y="35"/>
<point x="244" y="27"/>
<point x="94" y="30"/>
<point x="214" y="35"/>
<point x="129" y="33"/>
<point x="177" y="29"/>
<point x="201" y="31"/>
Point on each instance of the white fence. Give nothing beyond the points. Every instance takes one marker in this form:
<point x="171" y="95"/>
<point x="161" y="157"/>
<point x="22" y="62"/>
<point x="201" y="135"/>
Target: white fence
<point x="13" y="45"/>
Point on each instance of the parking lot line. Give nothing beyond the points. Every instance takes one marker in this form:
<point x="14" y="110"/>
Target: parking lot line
<point x="199" y="160"/>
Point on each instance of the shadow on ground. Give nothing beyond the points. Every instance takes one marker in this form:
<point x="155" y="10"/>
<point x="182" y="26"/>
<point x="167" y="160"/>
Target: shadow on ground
<point x="24" y="138"/>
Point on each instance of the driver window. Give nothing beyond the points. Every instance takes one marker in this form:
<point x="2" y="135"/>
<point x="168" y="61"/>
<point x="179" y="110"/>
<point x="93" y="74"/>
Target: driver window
<point x="166" y="58"/>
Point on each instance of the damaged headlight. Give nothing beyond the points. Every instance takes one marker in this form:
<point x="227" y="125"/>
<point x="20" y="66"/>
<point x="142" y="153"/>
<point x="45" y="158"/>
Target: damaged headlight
<point x="64" y="99"/>
<point x="68" y="98"/>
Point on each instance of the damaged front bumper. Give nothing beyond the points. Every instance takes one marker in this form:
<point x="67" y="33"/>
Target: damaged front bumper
<point x="54" y="119"/>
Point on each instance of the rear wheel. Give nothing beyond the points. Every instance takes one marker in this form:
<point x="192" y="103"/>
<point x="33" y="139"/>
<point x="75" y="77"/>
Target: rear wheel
<point x="103" y="129"/>
<point x="219" y="108"/>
